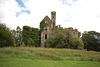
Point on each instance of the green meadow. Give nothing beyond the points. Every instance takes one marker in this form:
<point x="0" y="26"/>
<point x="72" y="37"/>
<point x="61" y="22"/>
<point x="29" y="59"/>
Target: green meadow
<point x="47" y="57"/>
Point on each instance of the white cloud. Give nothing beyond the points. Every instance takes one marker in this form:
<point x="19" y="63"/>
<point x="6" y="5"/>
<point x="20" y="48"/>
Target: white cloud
<point x="83" y="14"/>
<point x="8" y="9"/>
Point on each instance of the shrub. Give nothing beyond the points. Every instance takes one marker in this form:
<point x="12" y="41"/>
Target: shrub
<point x="63" y="38"/>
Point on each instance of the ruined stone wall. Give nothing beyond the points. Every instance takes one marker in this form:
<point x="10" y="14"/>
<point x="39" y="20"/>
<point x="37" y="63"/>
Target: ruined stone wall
<point x="75" y="32"/>
<point x="48" y="30"/>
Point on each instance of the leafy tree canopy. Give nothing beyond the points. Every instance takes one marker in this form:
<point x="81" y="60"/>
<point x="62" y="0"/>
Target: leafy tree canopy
<point x="91" y="40"/>
<point x="18" y="35"/>
<point x="6" y="37"/>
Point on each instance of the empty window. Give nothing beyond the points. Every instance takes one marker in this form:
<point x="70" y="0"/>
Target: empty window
<point x="45" y="36"/>
<point x="46" y="28"/>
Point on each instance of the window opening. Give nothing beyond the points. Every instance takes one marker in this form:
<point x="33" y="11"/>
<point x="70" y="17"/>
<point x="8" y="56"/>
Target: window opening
<point x="45" y="36"/>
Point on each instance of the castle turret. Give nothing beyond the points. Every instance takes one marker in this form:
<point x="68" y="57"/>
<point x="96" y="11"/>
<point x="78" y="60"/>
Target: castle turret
<point x="53" y="18"/>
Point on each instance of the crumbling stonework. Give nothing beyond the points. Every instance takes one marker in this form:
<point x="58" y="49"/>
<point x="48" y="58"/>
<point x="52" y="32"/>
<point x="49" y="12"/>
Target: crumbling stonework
<point x="75" y="32"/>
<point x="51" y="26"/>
<point x="48" y="30"/>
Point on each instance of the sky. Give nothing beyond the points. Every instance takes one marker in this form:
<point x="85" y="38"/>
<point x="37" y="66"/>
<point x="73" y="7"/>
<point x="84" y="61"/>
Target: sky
<point x="83" y="15"/>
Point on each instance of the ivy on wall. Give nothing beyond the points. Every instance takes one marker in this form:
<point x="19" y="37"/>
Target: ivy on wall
<point x="42" y="25"/>
<point x="31" y="36"/>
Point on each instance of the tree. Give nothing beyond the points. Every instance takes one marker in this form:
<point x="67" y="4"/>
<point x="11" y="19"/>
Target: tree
<point x="6" y="37"/>
<point x="91" y="40"/>
<point x="18" y="35"/>
<point x="63" y="38"/>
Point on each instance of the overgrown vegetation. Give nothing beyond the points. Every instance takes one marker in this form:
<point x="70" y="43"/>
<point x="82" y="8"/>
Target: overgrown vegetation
<point x="42" y="25"/>
<point x="31" y="36"/>
<point x="63" y="38"/>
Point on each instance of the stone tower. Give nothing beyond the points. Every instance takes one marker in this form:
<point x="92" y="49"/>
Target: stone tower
<point x="48" y="30"/>
<point x="53" y="18"/>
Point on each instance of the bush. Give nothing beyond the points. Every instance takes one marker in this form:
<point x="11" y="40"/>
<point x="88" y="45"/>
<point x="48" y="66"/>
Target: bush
<point x="63" y="38"/>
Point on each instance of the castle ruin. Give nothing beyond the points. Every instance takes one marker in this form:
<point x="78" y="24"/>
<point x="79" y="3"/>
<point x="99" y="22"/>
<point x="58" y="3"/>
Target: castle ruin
<point x="51" y="26"/>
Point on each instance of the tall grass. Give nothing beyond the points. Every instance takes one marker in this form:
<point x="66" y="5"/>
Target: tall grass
<point x="49" y="54"/>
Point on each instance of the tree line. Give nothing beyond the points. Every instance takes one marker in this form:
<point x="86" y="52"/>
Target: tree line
<point x="61" y="38"/>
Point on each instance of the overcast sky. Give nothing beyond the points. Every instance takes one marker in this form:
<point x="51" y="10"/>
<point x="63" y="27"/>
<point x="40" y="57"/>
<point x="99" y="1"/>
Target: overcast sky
<point x="81" y="14"/>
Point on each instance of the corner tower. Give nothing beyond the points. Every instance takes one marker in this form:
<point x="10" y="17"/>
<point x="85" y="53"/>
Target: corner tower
<point x="53" y="18"/>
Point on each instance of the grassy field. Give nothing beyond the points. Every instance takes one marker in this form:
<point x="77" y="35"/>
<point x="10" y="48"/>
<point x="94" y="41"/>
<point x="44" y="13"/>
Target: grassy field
<point x="47" y="57"/>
